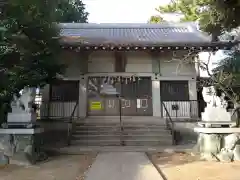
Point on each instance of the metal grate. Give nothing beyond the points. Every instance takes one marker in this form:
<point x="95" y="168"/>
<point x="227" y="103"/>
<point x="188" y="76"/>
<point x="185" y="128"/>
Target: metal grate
<point x="174" y="91"/>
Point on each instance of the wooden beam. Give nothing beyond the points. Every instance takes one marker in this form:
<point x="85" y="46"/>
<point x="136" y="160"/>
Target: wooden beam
<point x="120" y="61"/>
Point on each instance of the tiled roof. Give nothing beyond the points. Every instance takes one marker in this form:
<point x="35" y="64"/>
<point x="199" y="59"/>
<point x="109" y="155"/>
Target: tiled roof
<point x="135" y="34"/>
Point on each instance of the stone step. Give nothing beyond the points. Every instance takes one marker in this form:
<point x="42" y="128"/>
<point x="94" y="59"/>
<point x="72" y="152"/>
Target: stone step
<point x="86" y="142"/>
<point x="112" y="142"/>
<point x="119" y="125"/>
<point x="132" y="132"/>
<point x="147" y="143"/>
<point x="96" y="129"/>
<point x="127" y="136"/>
<point x="108" y="133"/>
<point x="129" y="118"/>
<point x="119" y="128"/>
<point x="125" y="131"/>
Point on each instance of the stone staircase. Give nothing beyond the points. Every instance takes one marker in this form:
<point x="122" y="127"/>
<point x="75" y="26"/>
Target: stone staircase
<point x="107" y="131"/>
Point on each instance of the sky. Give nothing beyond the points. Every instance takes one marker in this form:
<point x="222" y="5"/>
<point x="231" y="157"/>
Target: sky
<point x="122" y="11"/>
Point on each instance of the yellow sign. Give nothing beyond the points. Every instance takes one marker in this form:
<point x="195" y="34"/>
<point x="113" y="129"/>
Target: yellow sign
<point x="96" y="105"/>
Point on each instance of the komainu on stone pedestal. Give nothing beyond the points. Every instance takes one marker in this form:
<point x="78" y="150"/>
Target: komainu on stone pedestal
<point x="215" y="111"/>
<point x="22" y="107"/>
<point x="214" y="142"/>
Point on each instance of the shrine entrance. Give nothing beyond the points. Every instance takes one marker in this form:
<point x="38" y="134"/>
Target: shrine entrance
<point x="115" y="96"/>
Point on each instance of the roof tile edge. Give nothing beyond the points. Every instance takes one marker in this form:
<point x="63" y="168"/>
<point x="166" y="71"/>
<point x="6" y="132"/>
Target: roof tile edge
<point x="123" y="25"/>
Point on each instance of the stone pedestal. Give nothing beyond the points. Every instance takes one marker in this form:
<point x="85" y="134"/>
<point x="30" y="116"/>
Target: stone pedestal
<point x="219" y="144"/>
<point x="21" y="146"/>
<point x="23" y="117"/>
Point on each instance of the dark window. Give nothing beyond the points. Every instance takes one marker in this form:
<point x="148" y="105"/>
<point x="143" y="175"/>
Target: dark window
<point x="64" y="91"/>
<point x="144" y="87"/>
<point x="140" y="88"/>
<point x="174" y="91"/>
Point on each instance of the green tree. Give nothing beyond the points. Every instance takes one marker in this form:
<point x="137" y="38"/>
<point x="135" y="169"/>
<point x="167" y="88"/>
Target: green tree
<point x="214" y="16"/>
<point x="155" y="19"/>
<point x="29" y="47"/>
<point x="227" y="73"/>
<point x="71" y="11"/>
<point x="189" y="10"/>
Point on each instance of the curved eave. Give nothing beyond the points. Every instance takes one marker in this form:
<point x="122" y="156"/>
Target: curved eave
<point x="206" y="46"/>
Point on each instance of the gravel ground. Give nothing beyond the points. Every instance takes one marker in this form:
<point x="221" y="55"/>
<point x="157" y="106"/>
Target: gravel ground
<point x="56" y="168"/>
<point x="179" y="166"/>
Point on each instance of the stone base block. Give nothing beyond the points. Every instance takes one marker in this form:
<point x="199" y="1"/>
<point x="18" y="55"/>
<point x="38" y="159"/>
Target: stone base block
<point x="4" y="160"/>
<point x="21" y="117"/>
<point x="219" y="147"/>
<point x="22" y="149"/>
<point x="202" y="130"/>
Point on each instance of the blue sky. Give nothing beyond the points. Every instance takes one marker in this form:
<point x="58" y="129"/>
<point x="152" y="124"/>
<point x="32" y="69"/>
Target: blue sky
<point x="122" y="11"/>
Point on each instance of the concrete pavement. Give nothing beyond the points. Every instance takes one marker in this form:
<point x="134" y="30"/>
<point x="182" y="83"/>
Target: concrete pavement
<point x="122" y="166"/>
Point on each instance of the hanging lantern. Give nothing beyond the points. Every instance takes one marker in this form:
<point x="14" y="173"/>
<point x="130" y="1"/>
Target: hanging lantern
<point x="108" y="80"/>
<point x="134" y="79"/>
<point x="105" y="80"/>
<point x="130" y="79"/>
<point x="119" y="79"/>
<point x="174" y="54"/>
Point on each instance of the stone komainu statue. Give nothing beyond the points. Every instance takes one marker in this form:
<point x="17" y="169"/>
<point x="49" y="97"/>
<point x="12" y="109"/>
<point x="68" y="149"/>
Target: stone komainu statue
<point x="25" y="102"/>
<point x="212" y="99"/>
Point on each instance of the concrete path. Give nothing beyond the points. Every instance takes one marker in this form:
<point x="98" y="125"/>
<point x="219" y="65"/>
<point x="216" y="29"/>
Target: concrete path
<point x="122" y="166"/>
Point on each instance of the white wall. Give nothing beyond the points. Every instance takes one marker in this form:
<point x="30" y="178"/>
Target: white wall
<point x="138" y="62"/>
<point x="178" y="65"/>
<point x="101" y="62"/>
<point x="176" y="68"/>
